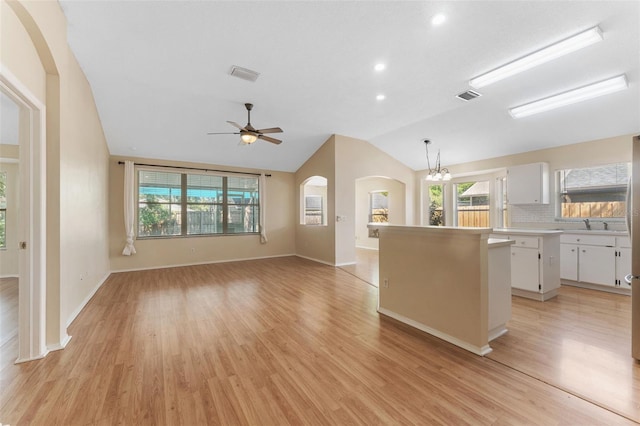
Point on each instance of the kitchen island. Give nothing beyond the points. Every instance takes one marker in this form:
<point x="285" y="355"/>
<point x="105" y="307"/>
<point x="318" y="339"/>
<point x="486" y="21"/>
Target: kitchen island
<point x="453" y="283"/>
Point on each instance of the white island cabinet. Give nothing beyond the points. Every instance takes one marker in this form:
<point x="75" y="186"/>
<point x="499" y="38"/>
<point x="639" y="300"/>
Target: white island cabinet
<point x="535" y="262"/>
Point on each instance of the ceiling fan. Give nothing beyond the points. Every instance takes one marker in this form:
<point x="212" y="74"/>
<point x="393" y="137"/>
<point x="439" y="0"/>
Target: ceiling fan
<point x="248" y="134"/>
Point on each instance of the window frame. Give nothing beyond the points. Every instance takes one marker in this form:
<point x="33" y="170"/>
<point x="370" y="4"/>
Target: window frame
<point x="559" y="194"/>
<point x="3" y="210"/>
<point x="443" y="192"/>
<point x="454" y="197"/>
<point x="184" y="203"/>
<point x="371" y="214"/>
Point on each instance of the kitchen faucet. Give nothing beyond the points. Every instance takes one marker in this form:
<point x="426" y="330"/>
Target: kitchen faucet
<point x="587" y="224"/>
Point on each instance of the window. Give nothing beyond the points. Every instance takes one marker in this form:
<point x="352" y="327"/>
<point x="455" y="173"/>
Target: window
<point x="379" y="207"/>
<point x="472" y="204"/>
<point x="213" y="204"/>
<point x="313" y="194"/>
<point x="593" y="192"/>
<point x="436" y="205"/>
<point x="313" y="210"/>
<point x="3" y="210"/>
<point x="501" y="202"/>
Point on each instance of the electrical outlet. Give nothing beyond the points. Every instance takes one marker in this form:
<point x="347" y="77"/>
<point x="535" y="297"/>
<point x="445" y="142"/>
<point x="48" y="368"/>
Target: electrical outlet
<point x="193" y="250"/>
<point x="385" y="283"/>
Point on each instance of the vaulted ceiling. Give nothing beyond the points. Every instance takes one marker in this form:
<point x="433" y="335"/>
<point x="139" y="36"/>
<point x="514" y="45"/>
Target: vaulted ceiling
<point x="159" y="71"/>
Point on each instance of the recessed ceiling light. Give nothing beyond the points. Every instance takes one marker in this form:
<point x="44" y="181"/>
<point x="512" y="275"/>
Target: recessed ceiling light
<point x="561" y="48"/>
<point x="380" y="67"/>
<point x="380" y="97"/>
<point x="580" y="94"/>
<point x="438" y="19"/>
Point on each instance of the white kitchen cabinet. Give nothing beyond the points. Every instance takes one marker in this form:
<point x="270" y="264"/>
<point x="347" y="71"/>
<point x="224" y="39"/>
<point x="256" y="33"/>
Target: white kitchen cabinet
<point x="597" y="265"/>
<point x="525" y="269"/>
<point x="528" y="184"/>
<point x="535" y="262"/>
<point x="623" y="261"/>
<point x="569" y="262"/>
<point x="596" y="261"/>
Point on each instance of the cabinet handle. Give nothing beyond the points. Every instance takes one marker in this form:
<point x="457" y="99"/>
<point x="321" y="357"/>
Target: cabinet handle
<point x="584" y="251"/>
<point x="577" y="239"/>
<point x="572" y="250"/>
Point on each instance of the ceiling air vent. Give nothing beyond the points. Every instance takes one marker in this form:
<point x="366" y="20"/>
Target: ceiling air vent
<point x="468" y="95"/>
<point x="244" y="73"/>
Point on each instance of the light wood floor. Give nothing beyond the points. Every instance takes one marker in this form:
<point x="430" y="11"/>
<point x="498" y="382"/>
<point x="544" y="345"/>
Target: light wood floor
<point x="267" y="342"/>
<point x="366" y="266"/>
<point x="8" y="309"/>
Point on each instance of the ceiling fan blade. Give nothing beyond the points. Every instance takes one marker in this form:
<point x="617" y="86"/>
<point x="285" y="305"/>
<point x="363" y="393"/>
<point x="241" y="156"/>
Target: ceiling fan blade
<point x="223" y="133"/>
<point x="270" y="130"/>
<point x="269" y="139"/>
<point x="234" y="124"/>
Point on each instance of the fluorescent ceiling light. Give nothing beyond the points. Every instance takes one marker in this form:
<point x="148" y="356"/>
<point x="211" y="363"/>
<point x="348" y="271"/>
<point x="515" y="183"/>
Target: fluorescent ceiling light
<point x="380" y="67"/>
<point x="380" y="97"/>
<point x="539" y="57"/>
<point x="571" y="97"/>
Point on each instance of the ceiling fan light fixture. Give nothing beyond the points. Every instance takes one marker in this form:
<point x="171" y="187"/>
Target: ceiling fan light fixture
<point x="248" y="138"/>
<point x="539" y="57"/>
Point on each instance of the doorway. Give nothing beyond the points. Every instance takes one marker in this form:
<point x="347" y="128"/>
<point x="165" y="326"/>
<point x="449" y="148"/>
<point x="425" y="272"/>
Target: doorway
<point x="29" y="228"/>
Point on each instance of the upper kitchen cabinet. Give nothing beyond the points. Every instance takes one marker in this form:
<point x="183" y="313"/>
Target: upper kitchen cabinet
<point x="528" y="184"/>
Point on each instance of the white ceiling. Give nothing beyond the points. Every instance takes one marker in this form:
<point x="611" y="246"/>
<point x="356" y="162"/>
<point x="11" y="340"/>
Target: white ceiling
<point x="159" y="73"/>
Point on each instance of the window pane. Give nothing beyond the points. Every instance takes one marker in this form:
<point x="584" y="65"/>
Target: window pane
<point x="3" y="186"/>
<point x="3" y="228"/>
<point x="472" y="204"/>
<point x="204" y="189"/>
<point x="242" y="219"/>
<point x="379" y="208"/>
<point x="242" y="190"/>
<point x="155" y="219"/>
<point x="594" y="192"/>
<point x="158" y="187"/>
<point x="204" y="219"/>
<point x="313" y="212"/>
<point x="436" y="205"/>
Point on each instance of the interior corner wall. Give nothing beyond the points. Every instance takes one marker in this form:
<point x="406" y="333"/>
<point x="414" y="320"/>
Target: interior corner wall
<point x="355" y="159"/>
<point x="38" y="55"/>
<point x="313" y="241"/>
<point x="164" y="252"/>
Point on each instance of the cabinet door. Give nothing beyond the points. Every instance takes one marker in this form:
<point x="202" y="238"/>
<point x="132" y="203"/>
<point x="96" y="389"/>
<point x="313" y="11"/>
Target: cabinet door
<point x="525" y="271"/>
<point x="569" y="262"/>
<point x="528" y="184"/>
<point x="623" y="266"/>
<point x="597" y="265"/>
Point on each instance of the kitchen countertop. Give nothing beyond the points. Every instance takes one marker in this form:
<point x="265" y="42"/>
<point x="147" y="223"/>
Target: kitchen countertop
<point x="499" y="242"/>
<point x="522" y="231"/>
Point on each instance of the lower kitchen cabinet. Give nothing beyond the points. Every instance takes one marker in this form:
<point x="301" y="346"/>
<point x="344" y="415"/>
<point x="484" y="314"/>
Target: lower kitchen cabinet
<point x="597" y="265"/>
<point x="525" y="269"/>
<point x="598" y="260"/>
<point x="569" y="262"/>
<point x="535" y="262"/>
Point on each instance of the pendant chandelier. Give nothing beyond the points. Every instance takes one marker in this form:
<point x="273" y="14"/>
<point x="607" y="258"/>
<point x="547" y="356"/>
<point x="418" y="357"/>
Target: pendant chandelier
<point x="438" y="173"/>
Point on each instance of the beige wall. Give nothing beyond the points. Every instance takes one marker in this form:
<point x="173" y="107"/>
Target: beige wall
<point x="158" y="253"/>
<point x="590" y="153"/>
<point x="356" y="159"/>
<point x="35" y="50"/>
<point x="397" y="206"/>
<point x="318" y="242"/>
<point x="9" y="256"/>
<point x="437" y="281"/>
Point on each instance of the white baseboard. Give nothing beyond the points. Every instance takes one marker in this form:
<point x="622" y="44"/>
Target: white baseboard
<point x="478" y="350"/>
<point x="207" y="262"/>
<point x="58" y="346"/>
<point x="80" y="307"/>
<point x="35" y="358"/>
<point x="345" y="264"/>
<point x="10" y="276"/>
<point x="367" y="248"/>
<point x="315" y="260"/>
